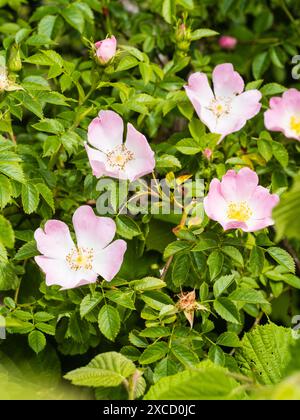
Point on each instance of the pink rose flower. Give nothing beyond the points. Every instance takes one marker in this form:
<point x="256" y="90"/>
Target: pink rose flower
<point x="227" y="42"/>
<point x="239" y="202"/>
<point x="284" y="114"/>
<point x="228" y="108"/>
<point x="69" y="265"/>
<point x="110" y="156"/>
<point x="106" y="49"/>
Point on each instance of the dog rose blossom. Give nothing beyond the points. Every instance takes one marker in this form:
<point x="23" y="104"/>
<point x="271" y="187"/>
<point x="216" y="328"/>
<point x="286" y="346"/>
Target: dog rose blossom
<point x="106" y="49"/>
<point x="227" y="42"/>
<point x="110" y="156"/>
<point x="284" y="114"/>
<point x="72" y="265"/>
<point x="239" y="202"/>
<point x="226" y="109"/>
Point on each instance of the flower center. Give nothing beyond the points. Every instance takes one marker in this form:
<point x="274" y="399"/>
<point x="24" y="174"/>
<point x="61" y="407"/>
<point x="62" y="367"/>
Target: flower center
<point x="239" y="211"/>
<point x="80" y="258"/>
<point x="119" y="157"/>
<point x="220" y="106"/>
<point x="295" y="124"/>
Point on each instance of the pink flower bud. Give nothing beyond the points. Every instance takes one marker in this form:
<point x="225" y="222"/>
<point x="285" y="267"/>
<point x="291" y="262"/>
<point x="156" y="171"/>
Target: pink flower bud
<point x="106" y="49"/>
<point x="227" y="42"/>
<point x="207" y="153"/>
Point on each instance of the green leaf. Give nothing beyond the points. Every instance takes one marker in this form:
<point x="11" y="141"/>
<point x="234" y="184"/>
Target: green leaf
<point x="49" y="125"/>
<point x="147" y="283"/>
<point x="206" y="382"/>
<point x="203" y="33"/>
<point x="109" y="322"/>
<point x="181" y="269"/>
<point x="165" y="367"/>
<point x="74" y="16"/>
<point x="260" y="64"/>
<point x="233" y="253"/>
<point x="215" y="263"/>
<point x="154" y="352"/>
<point x="127" y="63"/>
<point x="156" y="332"/>
<point x="121" y="298"/>
<point x="175" y="247"/>
<point x="167" y="10"/>
<point x="30" y="197"/>
<point x="227" y="310"/>
<point x="184" y="354"/>
<point x="248" y="296"/>
<point x="188" y="147"/>
<point x="7" y="236"/>
<point x="222" y="284"/>
<point x="265" y="353"/>
<point x="127" y="227"/>
<point x="47" y="195"/>
<point x="229" y="339"/>
<point x="107" y="369"/>
<point x="5" y="191"/>
<point x="89" y="302"/>
<point x="287" y="213"/>
<point x="27" y="251"/>
<point x="280" y="153"/>
<point x="283" y="258"/>
<point x="256" y="261"/>
<point x="37" y="341"/>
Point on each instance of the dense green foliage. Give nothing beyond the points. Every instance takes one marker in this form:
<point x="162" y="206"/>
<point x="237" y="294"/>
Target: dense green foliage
<point x="125" y="338"/>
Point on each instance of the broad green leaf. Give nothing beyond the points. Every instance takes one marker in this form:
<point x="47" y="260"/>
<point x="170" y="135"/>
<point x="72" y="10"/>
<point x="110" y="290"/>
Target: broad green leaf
<point x="147" y="283"/>
<point x="215" y="263"/>
<point x="222" y="284"/>
<point x="30" y="197"/>
<point x="248" y="296"/>
<point x="27" y="251"/>
<point x="109" y="322"/>
<point x="184" y="354"/>
<point x="206" y="382"/>
<point x="127" y="227"/>
<point x="154" y="352"/>
<point x="74" y="16"/>
<point x="121" y="298"/>
<point x="107" y="369"/>
<point x="256" y="261"/>
<point x="89" y="302"/>
<point x="37" y="341"/>
<point x="233" y="253"/>
<point x="265" y="353"/>
<point x="181" y="269"/>
<point x="228" y="339"/>
<point x="7" y="236"/>
<point x="283" y="258"/>
<point x="227" y="310"/>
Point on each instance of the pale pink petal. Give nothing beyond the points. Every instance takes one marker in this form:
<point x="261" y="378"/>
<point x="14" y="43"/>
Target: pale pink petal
<point x="234" y="225"/>
<point x="106" y="131"/>
<point x="238" y="186"/>
<point x="143" y="161"/>
<point x="214" y="204"/>
<point x="107" y="263"/>
<point x="254" y="225"/>
<point x="55" y="240"/>
<point x="59" y="273"/>
<point x="247" y="104"/>
<point x="198" y="88"/>
<point x="227" y="82"/>
<point x="93" y="231"/>
<point x="229" y="123"/>
<point x="262" y="202"/>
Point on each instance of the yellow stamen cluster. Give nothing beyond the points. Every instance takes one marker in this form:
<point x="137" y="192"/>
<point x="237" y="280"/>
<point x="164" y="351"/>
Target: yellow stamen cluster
<point x="80" y="258"/>
<point x="220" y="106"/>
<point x="239" y="211"/>
<point x="295" y="124"/>
<point x="119" y="157"/>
